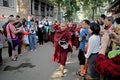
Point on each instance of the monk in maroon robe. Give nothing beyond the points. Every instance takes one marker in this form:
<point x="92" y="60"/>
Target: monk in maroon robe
<point x="74" y="37"/>
<point x="77" y="32"/>
<point x="60" y="54"/>
<point x="54" y="27"/>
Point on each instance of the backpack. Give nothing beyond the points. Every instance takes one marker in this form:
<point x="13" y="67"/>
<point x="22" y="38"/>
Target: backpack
<point x="4" y="29"/>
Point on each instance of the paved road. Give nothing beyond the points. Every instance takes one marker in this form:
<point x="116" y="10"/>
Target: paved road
<point x="37" y="65"/>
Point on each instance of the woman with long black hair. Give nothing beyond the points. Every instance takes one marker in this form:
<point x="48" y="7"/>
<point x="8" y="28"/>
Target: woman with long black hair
<point x="92" y="52"/>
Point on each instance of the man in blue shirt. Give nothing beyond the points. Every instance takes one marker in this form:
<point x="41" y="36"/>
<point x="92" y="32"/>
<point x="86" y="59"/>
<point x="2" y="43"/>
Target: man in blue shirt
<point x="83" y="38"/>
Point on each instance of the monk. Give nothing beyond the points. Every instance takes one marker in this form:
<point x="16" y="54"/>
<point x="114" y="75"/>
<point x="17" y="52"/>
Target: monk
<point x="54" y="27"/>
<point x="61" y="49"/>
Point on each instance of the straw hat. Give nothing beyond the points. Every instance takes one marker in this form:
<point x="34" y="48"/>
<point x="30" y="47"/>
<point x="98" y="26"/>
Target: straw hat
<point x="11" y="19"/>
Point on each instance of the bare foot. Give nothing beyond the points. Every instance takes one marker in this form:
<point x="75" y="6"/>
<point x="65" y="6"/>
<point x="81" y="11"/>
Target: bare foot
<point x="62" y="75"/>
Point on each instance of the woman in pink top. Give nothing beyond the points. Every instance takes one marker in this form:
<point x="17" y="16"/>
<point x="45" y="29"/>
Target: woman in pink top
<point x="11" y="36"/>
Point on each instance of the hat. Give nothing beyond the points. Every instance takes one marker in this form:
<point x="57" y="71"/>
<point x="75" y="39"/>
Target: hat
<point x="11" y="19"/>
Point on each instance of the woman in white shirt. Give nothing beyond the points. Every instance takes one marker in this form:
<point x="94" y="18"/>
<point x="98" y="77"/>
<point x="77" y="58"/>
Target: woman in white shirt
<point x="92" y="52"/>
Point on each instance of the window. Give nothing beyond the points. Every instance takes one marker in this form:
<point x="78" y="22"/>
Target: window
<point x="47" y="7"/>
<point x="52" y="8"/>
<point x="6" y="3"/>
<point x="36" y="7"/>
<point x="36" y="4"/>
<point x="42" y="9"/>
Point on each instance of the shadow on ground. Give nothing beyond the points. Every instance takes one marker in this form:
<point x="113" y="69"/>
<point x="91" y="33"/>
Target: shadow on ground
<point x="23" y="65"/>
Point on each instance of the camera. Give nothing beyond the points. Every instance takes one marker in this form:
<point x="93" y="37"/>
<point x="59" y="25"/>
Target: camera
<point x="32" y="31"/>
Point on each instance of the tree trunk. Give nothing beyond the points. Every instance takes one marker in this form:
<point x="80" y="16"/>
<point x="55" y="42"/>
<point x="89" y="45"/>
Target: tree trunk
<point x="24" y="8"/>
<point x="59" y="19"/>
<point x="94" y="6"/>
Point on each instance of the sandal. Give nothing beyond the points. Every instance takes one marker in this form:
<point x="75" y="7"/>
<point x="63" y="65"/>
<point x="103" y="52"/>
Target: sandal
<point x="80" y="74"/>
<point x="14" y="59"/>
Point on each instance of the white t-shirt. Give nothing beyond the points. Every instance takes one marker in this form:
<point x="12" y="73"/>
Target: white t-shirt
<point x="93" y="45"/>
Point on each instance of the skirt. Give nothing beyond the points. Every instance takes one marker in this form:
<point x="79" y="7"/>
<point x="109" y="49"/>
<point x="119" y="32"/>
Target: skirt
<point x="91" y="72"/>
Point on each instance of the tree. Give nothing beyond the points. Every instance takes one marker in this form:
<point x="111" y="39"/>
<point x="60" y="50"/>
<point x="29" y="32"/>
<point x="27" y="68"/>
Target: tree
<point x="71" y="9"/>
<point x="23" y="8"/>
<point x="93" y="6"/>
<point x="58" y="3"/>
<point x="90" y="8"/>
<point x="70" y="6"/>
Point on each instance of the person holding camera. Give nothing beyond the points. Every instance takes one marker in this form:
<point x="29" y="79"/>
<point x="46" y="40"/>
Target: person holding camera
<point x="12" y="37"/>
<point x="32" y="36"/>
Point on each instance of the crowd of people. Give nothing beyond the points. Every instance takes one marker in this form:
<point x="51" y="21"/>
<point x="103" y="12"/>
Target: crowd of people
<point x="98" y="43"/>
<point x="20" y="33"/>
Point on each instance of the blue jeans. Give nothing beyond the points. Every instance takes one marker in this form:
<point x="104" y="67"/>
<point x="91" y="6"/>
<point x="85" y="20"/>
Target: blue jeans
<point x="32" y="41"/>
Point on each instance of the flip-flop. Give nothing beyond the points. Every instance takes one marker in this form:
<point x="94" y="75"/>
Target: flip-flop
<point x="79" y="74"/>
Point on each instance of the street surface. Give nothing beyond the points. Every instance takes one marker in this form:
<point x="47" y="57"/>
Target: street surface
<point x="37" y="65"/>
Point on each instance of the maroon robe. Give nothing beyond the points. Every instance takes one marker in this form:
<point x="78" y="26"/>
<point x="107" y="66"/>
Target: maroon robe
<point x="109" y="68"/>
<point x="76" y="40"/>
<point x="55" y="27"/>
<point x="72" y="32"/>
<point x="60" y="54"/>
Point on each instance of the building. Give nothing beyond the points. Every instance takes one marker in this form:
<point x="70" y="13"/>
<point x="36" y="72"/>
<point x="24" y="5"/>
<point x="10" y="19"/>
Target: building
<point x="36" y="8"/>
<point x="8" y="7"/>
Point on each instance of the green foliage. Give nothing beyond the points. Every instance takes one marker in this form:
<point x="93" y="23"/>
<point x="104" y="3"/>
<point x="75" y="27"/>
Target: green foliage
<point x="70" y="5"/>
<point x="92" y="7"/>
<point x="71" y="9"/>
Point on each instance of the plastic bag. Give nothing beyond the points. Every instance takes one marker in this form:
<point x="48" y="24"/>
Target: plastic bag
<point x="26" y="40"/>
